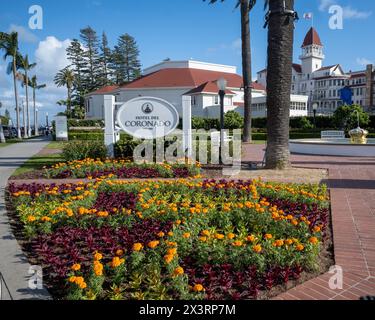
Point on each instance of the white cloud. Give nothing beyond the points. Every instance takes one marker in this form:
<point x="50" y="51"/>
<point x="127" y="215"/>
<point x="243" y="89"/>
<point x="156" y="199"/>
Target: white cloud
<point x="350" y="13"/>
<point x="24" y="35"/>
<point x="51" y="57"/>
<point x="325" y="4"/>
<point x="363" y="61"/>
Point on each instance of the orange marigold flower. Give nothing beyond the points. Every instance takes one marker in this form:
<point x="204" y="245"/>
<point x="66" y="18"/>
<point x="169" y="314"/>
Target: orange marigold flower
<point x="251" y="238"/>
<point x="119" y="252"/>
<point x="203" y="239"/>
<point x="116" y="262"/>
<point x="178" y="271"/>
<point x="31" y="218"/>
<point x="168" y="258"/>
<point x="186" y="235"/>
<point x="72" y="279"/>
<point x="172" y="251"/>
<point x="317" y="229"/>
<point x="98" y="256"/>
<point x="161" y="234"/>
<point x="289" y="242"/>
<point x="198" y="288"/>
<point x="314" y="240"/>
<point x="98" y="268"/>
<point x="278" y="243"/>
<point x="268" y="236"/>
<point x="300" y="247"/>
<point x="206" y="233"/>
<point x="237" y="243"/>
<point x="153" y="244"/>
<point x="231" y="236"/>
<point x="137" y="246"/>
<point x="257" y="248"/>
<point x="76" y="267"/>
<point x="219" y="236"/>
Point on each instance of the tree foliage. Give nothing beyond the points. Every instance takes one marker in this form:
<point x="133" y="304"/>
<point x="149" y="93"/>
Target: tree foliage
<point x="346" y="117"/>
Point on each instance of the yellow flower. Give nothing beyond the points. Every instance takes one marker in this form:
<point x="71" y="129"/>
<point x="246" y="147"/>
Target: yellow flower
<point x="76" y="267"/>
<point x="153" y="244"/>
<point x="170" y="233"/>
<point x="257" y="248"/>
<point x="289" y="242"/>
<point x="203" y="239"/>
<point x="178" y="271"/>
<point x="137" y="246"/>
<point x="161" y="234"/>
<point x="72" y="279"/>
<point x="219" y="236"/>
<point x="198" y="288"/>
<point x="46" y="219"/>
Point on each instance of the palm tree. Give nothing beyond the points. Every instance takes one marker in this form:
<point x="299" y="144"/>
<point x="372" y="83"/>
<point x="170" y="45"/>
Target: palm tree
<point x="2" y="138"/>
<point x="246" y="7"/>
<point x="27" y="66"/>
<point x="33" y="82"/>
<point x="280" y="20"/>
<point x="9" y="43"/>
<point x="65" y="78"/>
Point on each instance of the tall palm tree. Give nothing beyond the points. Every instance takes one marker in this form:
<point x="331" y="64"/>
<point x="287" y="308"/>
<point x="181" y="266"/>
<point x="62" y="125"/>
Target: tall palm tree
<point x="65" y="78"/>
<point x="27" y="66"/>
<point x="9" y="43"/>
<point x="280" y="22"/>
<point x="33" y="82"/>
<point x="246" y="7"/>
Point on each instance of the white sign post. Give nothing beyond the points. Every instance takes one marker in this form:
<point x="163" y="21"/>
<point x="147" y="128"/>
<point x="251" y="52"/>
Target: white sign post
<point x="61" y="123"/>
<point x="110" y="137"/>
<point x="186" y="126"/>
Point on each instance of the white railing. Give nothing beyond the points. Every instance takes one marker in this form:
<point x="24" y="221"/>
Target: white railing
<point x="333" y="134"/>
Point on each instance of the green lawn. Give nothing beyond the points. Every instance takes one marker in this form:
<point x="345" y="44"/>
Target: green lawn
<point x="41" y="160"/>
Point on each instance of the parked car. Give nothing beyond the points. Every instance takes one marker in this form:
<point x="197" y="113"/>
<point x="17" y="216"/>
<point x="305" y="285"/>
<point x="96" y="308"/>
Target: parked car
<point x="9" y="132"/>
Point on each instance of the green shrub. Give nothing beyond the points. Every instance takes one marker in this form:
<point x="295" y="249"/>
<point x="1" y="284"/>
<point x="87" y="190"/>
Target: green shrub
<point x="85" y="123"/>
<point x="233" y="120"/>
<point x="125" y="147"/>
<point x="79" y="150"/>
<point x="345" y="117"/>
<point x="86" y="136"/>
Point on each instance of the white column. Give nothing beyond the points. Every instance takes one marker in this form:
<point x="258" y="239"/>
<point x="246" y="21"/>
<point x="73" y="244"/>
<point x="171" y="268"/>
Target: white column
<point x="109" y="133"/>
<point x="186" y="124"/>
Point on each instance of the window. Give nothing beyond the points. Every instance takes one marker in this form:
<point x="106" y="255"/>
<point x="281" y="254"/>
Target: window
<point x="216" y="100"/>
<point x="194" y="100"/>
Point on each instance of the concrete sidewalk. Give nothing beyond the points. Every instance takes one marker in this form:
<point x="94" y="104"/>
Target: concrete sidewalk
<point x="13" y="263"/>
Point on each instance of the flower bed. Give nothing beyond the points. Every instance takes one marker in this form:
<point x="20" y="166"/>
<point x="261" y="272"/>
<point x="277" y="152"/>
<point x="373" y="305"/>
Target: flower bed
<point x="182" y="239"/>
<point x="122" y="169"/>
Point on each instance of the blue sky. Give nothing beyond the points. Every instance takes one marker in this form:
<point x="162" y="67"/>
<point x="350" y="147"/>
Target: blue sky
<point x="176" y="29"/>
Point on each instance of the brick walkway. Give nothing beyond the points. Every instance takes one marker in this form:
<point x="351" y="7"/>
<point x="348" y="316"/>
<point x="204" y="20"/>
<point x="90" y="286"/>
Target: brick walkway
<point x="352" y="184"/>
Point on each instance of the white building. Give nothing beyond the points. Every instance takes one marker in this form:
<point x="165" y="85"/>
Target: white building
<point x="322" y="84"/>
<point x="170" y="80"/>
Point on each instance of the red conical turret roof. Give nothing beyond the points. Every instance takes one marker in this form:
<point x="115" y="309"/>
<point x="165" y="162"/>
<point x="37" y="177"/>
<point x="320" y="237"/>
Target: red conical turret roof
<point x="311" y="38"/>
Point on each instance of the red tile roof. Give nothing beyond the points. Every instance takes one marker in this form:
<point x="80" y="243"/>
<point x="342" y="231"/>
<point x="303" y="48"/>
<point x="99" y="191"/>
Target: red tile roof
<point x="183" y="77"/>
<point x="311" y="38"/>
<point x="297" y="67"/>
<point x="208" y="87"/>
<point x="106" y="89"/>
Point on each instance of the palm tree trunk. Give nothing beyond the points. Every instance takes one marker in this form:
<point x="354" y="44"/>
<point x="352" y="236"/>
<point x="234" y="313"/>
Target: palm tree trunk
<point x="69" y="104"/>
<point x="246" y="67"/>
<point x="279" y="78"/>
<point x="2" y="137"/>
<point x="35" y="119"/>
<point x="27" y="106"/>
<point x="16" y="99"/>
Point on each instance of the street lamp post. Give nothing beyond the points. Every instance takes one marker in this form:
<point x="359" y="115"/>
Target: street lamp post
<point x="315" y="109"/>
<point x="47" y="122"/>
<point x="222" y="85"/>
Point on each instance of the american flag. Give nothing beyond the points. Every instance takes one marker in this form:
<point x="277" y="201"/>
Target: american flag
<point x="308" y="16"/>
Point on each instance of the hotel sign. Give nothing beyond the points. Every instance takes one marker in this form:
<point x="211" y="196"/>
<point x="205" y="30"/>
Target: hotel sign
<point x="148" y="118"/>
